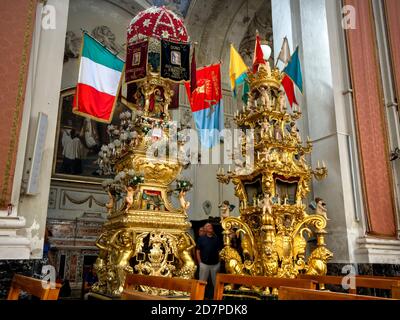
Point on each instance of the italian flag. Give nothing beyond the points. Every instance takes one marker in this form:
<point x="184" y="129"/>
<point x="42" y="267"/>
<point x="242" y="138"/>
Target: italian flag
<point x="99" y="79"/>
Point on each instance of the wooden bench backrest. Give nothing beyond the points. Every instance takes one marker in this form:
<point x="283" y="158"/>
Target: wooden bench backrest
<point x="259" y="281"/>
<point x="361" y="282"/>
<point x="196" y="288"/>
<point x="289" y="293"/>
<point x="136" y="295"/>
<point x="32" y="286"/>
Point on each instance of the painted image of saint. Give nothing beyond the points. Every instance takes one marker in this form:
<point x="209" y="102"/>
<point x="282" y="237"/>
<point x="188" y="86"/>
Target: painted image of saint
<point x="136" y="59"/>
<point x="176" y="58"/>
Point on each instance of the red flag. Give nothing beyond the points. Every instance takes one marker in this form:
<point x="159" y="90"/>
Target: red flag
<point x="136" y="61"/>
<point x="208" y="88"/>
<point x="287" y="84"/>
<point x="193" y="81"/>
<point x="258" y="55"/>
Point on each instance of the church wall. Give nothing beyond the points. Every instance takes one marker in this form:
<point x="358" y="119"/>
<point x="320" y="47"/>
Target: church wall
<point x="24" y="228"/>
<point x="322" y="121"/>
<point x="15" y="33"/>
<point x="371" y="123"/>
<point x="45" y="95"/>
<point x="389" y="49"/>
<point x="392" y="8"/>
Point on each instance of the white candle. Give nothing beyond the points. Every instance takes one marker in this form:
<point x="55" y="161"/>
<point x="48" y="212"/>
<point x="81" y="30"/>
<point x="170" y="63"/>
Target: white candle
<point x="323" y="164"/>
<point x="318" y="165"/>
<point x="229" y="168"/>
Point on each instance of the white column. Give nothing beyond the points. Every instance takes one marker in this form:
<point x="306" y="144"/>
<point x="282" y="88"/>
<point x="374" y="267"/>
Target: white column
<point x="315" y="26"/>
<point x="22" y="233"/>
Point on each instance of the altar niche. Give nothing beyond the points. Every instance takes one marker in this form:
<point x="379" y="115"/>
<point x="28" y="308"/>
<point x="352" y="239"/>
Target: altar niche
<point x="286" y="189"/>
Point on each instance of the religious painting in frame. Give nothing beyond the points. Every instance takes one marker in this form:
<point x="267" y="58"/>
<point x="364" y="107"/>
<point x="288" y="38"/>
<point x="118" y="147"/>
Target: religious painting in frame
<point x="78" y="142"/>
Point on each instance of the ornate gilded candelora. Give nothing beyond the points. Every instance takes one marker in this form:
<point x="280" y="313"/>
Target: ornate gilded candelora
<point x="273" y="227"/>
<point x="144" y="233"/>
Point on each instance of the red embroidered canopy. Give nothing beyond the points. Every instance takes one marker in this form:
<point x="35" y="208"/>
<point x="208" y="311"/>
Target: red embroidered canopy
<point x="157" y="22"/>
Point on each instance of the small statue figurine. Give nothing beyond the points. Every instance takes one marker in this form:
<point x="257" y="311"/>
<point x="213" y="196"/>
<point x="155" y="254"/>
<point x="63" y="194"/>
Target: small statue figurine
<point x="225" y="209"/>
<point x="266" y="204"/>
<point x="282" y="102"/>
<point x="277" y="131"/>
<point x="129" y="199"/>
<point x="265" y="100"/>
<point x="184" y="204"/>
<point x="111" y="202"/>
<point x="294" y="132"/>
<point x="264" y="128"/>
<point x="321" y="208"/>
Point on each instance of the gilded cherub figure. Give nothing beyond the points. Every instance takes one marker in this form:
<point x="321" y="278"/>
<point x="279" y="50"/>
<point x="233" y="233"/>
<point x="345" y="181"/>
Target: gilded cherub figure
<point x="184" y="204"/>
<point x="187" y="265"/>
<point x="130" y="197"/>
<point x="111" y="201"/>
<point x="121" y="253"/>
<point x="225" y="209"/>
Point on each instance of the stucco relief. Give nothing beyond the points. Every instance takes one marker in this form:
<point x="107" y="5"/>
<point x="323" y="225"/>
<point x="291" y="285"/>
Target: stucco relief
<point x="261" y="22"/>
<point x="102" y="33"/>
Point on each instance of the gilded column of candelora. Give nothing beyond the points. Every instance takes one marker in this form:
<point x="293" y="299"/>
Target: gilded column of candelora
<point x="144" y="232"/>
<point x="274" y="226"/>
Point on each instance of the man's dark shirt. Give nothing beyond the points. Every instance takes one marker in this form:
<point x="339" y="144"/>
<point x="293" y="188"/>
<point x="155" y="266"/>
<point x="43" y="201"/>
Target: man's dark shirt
<point x="90" y="278"/>
<point x="209" y="249"/>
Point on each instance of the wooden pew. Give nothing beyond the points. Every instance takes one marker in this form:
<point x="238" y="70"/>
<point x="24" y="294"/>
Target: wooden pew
<point x="360" y="282"/>
<point x="136" y="295"/>
<point x="289" y="293"/>
<point x="258" y="281"/>
<point x="32" y="286"/>
<point x="196" y="288"/>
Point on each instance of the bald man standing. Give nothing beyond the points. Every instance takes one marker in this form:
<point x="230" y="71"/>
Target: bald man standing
<point x="207" y="253"/>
